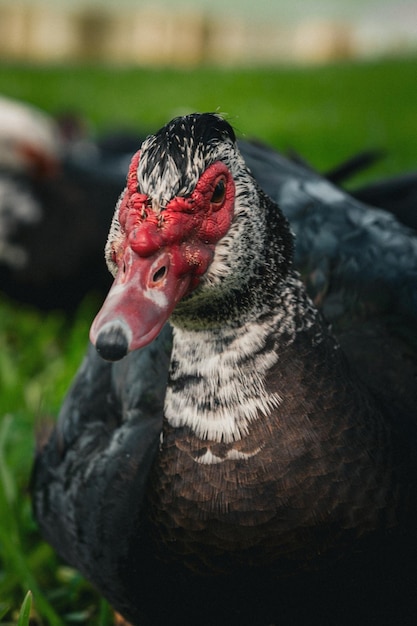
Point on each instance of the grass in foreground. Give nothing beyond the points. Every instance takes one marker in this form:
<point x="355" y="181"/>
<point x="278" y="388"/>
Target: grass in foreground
<point x="326" y="114"/>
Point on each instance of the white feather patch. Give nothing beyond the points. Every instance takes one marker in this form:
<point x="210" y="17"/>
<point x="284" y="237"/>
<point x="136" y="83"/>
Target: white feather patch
<point x="225" y="387"/>
<point x="208" y="458"/>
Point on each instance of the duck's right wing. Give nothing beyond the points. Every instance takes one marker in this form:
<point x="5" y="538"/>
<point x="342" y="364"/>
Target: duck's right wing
<point x="90" y="477"/>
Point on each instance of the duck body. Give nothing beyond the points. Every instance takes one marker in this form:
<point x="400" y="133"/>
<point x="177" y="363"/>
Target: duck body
<point x="226" y="467"/>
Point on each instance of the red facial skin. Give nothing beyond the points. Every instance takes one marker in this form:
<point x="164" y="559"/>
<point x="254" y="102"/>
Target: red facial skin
<point x="163" y="254"/>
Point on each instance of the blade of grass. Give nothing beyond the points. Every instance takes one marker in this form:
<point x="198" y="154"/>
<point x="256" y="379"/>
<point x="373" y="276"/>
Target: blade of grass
<point x="3" y="611"/>
<point x="24" y="614"/>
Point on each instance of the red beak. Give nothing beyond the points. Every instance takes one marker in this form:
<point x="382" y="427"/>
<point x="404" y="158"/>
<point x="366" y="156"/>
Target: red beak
<point x="140" y="301"/>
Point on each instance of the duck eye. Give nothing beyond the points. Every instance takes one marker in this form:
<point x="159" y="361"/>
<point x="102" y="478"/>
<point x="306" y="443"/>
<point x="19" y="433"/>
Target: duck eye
<point x="219" y="192"/>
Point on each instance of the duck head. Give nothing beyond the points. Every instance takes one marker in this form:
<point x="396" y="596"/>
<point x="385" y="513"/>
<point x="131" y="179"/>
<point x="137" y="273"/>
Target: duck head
<point x="182" y="212"/>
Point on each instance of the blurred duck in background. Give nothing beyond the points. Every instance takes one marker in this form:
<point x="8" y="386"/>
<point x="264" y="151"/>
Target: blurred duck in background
<point x="58" y="188"/>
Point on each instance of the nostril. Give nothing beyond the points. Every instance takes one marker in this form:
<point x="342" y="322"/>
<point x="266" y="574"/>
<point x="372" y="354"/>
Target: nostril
<point x="159" y="274"/>
<point x="113" y="342"/>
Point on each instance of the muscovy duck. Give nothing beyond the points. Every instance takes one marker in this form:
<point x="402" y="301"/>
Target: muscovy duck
<point x="242" y="463"/>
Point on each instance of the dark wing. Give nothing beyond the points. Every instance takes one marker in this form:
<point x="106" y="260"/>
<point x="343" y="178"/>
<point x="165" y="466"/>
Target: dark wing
<point x="360" y="267"/>
<point x="90" y="478"/>
<point x="338" y="238"/>
<point x="397" y="194"/>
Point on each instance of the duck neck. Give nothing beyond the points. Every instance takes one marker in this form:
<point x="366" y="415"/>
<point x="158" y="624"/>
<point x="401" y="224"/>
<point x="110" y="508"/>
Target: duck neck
<point x="218" y="385"/>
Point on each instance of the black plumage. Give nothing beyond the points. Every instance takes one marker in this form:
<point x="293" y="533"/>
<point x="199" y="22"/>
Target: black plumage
<point x="397" y="195"/>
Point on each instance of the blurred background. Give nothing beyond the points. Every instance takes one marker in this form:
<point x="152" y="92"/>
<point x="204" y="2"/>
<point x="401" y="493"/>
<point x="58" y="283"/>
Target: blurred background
<point x="188" y="33"/>
<point x="81" y="83"/>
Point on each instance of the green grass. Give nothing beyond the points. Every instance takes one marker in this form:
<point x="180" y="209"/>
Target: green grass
<point x="325" y="113"/>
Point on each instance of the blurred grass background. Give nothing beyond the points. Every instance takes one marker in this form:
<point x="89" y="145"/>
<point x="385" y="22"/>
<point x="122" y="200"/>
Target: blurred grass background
<point x="324" y="113"/>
